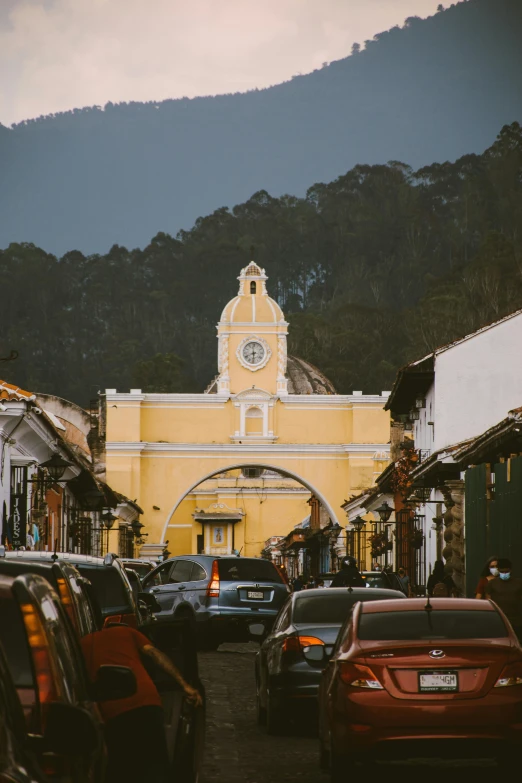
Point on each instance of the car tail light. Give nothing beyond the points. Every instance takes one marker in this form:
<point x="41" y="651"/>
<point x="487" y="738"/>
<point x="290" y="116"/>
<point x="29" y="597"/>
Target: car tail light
<point x="358" y="676"/>
<point x="296" y="643"/>
<point x="213" y="585"/>
<point x="66" y="601"/>
<point x="42" y="660"/>
<point x="512" y="675"/>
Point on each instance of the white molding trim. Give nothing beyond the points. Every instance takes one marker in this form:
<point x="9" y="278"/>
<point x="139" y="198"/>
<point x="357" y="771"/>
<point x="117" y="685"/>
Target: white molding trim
<point x="227" y="448"/>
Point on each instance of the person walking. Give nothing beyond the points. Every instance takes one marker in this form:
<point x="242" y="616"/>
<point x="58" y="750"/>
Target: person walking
<point x="349" y="575"/>
<point x="298" y="583"/>
<point x="404" y="580"/>
<point x="138" y="716"/>
<point x="440" y="584"/>
<point x="489" y="572"/>
<point x="506" y="591"/>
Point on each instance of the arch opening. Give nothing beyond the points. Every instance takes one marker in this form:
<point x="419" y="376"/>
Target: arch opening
<point x="265" y="466"/>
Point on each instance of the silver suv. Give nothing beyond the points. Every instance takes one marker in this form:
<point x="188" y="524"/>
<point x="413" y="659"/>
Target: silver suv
<point x="221" y="595"/>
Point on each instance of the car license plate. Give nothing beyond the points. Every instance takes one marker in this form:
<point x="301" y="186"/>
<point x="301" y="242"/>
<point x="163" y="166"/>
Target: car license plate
<point x="438" y="682"/>
<point x="255" y="595"/>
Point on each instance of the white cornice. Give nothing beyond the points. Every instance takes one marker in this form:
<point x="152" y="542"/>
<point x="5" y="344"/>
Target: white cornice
<point x="322" y="401"/>
<point x="253" y="448"/>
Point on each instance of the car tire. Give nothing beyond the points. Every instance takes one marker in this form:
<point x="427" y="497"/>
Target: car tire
<point x="275" y="717"/>
<point x="260" y="710"/>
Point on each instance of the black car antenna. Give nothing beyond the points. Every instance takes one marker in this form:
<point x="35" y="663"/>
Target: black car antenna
<point x="428" y="607"/>
<point x="55" y="555"/>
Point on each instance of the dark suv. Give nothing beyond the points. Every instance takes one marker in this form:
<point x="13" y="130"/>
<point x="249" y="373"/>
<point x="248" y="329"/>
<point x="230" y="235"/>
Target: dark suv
<point x="223" y="595"/>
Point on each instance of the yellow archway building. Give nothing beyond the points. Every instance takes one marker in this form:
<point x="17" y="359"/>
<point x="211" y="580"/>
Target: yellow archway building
<point x="231" y="467"/>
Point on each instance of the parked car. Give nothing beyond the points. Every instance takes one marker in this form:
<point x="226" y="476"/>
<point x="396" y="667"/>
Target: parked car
<point x="68" y="584"/>
<point x="386" y="580"/>
<point x="110" y="583"/>
<point x="220" y="595"/>
<point x="46" y="664"/>
<point x="17" y="761"/>
<point x="141" y="567"/>
<point x="285" y="678"/>
<point x="407" y="674"/>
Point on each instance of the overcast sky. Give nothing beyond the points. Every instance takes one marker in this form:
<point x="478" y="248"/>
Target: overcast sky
<point x="60" y="54"/>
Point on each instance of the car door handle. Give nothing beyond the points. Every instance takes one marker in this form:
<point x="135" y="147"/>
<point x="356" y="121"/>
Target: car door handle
<point x="182" y="587"/>
<point x="155" y="590"/>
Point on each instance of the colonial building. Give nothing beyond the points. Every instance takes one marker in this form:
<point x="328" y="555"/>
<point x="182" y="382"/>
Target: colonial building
<point x="236" y="465"/>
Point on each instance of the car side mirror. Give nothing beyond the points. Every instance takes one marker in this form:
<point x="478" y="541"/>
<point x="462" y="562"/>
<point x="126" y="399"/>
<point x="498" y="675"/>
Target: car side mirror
<point x="69" y="731"/>
<point x="258" y="630"/>
<point x="114" y="682"/>
<point x="151" y="601"/>
<point x="315" y="654"/>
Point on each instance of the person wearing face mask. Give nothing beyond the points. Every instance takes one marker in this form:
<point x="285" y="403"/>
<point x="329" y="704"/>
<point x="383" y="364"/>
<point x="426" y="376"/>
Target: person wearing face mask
<point x="506" y="591"/>
<point x="489" y="572"/>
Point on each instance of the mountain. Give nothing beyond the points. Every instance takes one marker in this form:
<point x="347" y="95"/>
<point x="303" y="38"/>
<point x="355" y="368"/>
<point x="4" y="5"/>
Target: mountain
<point x="373" y="269"/>
<point x="434" y="89"/>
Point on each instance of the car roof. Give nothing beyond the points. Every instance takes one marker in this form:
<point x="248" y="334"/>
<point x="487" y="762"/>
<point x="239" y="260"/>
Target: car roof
<point x="415" y="604"/>
<point x="358" y="592"/>
<point x="67" y="557"/>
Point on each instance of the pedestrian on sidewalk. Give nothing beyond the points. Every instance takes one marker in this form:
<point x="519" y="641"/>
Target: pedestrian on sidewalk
<point x="404" y="580"/>
<point x="506" y="591"/>
<point x="489" y="572"/>
<point x="440" y="584"/>
<point x="298" y="583"/>
<point x="139" y="716"/>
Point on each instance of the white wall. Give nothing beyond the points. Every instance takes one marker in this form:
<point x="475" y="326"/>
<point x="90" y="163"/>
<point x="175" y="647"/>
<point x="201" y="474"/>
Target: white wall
<point x="477" y="382"/>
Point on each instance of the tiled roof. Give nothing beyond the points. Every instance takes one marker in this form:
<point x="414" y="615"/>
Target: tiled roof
<point x="14" y="393"/>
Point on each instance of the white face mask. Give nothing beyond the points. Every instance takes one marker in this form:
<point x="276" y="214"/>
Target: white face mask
<point x="494" y="571"/>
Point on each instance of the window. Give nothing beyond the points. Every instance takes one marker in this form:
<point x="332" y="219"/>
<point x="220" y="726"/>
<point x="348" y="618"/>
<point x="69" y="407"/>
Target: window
<point x="252" y="473"/>
<point x="109" y="587"/>
<point x="158" y="577"/>
<point x="238" y="570"/>
<point x="14" y="641"/>
<point x="252" y="287"/>
<point x="283" y="620"/>
<point x="198" y="573"/>
<point x="437" y="624"/>
<point x="181" y="571"/>
<point x="329" y="608"/>
<point x="254" y="421"/>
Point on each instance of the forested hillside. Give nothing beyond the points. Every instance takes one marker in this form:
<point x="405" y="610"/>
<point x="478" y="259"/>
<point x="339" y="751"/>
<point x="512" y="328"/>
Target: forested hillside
<point x="433" y="89"/>
<point x="372" y="269"/>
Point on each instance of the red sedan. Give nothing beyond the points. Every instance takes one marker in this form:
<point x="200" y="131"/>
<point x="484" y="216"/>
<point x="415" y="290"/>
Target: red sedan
<point x="405" y="673"/>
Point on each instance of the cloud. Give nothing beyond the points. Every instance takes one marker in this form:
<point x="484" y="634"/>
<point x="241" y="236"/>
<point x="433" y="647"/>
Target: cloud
<point x="60" y="54"/>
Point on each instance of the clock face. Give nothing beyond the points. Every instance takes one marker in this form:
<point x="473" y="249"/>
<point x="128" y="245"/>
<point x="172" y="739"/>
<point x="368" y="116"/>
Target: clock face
<point x="253" y="352"/>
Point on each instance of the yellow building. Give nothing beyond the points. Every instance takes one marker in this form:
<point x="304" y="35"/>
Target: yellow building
<point x="229" y="468"/>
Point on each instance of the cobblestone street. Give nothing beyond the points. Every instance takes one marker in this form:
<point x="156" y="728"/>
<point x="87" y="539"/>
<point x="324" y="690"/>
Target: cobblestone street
<point x="238" y="750"/>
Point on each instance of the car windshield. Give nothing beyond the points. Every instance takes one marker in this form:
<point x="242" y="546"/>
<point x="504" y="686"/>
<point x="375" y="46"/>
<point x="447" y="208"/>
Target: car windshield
<point x="238" y="570"/>
<point x="332" y="607"/>
<point x="435" y="624"/>
<point x="14" y="641"/>
<point x="108" y="586"/>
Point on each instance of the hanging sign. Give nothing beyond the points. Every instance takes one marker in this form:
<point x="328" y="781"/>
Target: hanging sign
<point x="18" y="516"/>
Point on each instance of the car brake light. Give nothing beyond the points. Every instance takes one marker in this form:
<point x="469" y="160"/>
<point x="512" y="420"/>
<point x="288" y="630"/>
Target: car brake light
<point x="358" y="676"/>
<point x="512" y="675"/>
<point x="66" y="601"/>
<point x="213" y="585"/>
<point x="296" y="643"/>
<point x="42" y="660"/>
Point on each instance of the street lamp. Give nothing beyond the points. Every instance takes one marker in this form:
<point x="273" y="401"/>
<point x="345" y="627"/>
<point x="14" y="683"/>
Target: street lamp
<point x="384" y="511"/>
<point x="56" y="466"/>
<point x="358" y="524"/>
<point x="108" y="520"/>
<point x="137" y="527"/>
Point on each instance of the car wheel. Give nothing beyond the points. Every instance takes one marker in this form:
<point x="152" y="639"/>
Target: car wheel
<point x="275" y="716"/>
<point x="260" y="710"/>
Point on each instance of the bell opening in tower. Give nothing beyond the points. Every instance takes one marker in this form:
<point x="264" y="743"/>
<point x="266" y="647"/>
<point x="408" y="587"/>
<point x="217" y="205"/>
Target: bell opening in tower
<point x="252" y="287"/>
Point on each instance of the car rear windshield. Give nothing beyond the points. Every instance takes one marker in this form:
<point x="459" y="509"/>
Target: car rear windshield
<point x="240" y="570"/>
<point x="108" y="586"/>
<point x="14" y="641"/>
<point x="332" y="607"/>
<point x="435" y="624"/>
